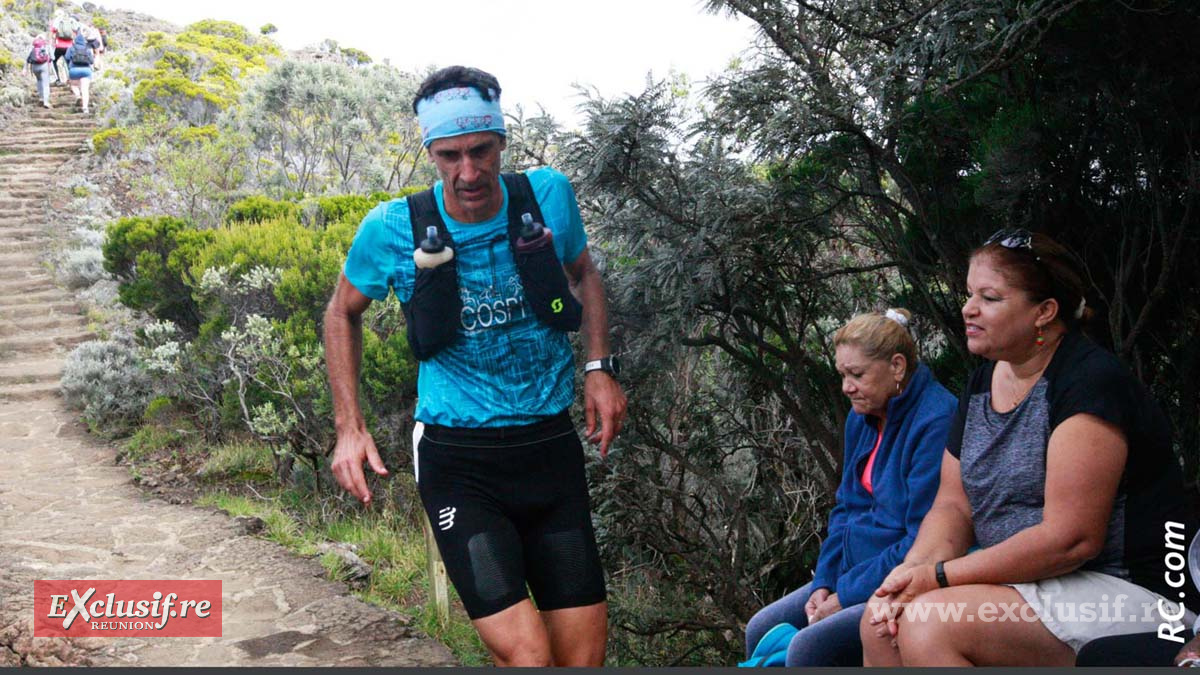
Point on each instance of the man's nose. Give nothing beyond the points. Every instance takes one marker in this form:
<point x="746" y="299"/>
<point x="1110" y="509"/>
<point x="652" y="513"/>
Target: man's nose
<point x="470" y="170"/>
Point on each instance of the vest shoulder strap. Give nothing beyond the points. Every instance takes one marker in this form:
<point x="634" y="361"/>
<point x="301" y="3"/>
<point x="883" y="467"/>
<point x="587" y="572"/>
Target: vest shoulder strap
<point x="423" y="213"/>
<point x="520" y="201"/>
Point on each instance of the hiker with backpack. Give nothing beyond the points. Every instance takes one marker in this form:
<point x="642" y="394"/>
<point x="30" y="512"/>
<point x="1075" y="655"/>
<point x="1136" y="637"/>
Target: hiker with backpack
<point x="487" y="267"/>
<point x="62" y="38"/>
<point x="895" y="432"/>
<point x="38" y="64"/>
<point x="94" y="41"/>
<point x="79" y="61"/>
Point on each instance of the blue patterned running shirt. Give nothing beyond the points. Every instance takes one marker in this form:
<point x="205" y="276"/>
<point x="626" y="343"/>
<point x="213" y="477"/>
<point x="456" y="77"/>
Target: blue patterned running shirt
<point x="507" y="368"/>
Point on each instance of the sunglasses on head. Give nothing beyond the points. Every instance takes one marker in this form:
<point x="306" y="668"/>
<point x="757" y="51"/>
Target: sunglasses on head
<point x="1012" y="237"/>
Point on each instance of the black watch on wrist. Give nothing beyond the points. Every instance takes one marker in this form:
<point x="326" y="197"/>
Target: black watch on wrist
<point x="608" y="364"/>
<point x="939" y="571"/>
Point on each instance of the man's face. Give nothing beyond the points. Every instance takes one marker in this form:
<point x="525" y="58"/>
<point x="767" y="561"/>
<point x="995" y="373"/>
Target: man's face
<point x="469" y="166"/>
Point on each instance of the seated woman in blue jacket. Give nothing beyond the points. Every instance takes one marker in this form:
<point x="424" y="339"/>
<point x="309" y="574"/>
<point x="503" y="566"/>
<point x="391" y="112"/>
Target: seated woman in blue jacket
<point x="895" y="435"/>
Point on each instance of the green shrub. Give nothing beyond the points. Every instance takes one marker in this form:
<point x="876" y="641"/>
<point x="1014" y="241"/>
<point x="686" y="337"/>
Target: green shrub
<point x="115" y="140"/>
<point x="257" y="208"/>
<point x="344" y="208"/>
<point x="152" y="259"/>
<point x="309" y="259"/>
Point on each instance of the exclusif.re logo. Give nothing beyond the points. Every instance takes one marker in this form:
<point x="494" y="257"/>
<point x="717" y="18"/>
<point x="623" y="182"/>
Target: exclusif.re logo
<point x="112" y="608"/>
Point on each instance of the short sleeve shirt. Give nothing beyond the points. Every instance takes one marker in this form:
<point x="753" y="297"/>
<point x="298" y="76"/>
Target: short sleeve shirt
<point x="506" y="368"/>
<point x="1003" y="457"/>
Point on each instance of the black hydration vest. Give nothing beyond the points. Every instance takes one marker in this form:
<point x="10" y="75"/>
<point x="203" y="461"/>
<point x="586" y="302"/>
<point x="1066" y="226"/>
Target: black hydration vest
<point x="433" y="313"/>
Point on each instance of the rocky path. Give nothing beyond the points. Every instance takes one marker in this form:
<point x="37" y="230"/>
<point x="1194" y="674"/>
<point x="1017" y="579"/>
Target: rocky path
<point x="68" y="512"/>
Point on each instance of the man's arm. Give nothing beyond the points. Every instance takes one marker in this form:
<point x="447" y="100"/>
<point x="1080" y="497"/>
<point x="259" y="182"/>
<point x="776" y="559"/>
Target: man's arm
<point x="603" y="398"/>
<point x="343" y="355"/>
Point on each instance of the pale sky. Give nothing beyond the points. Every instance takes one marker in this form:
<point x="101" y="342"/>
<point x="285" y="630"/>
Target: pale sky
<point x="536" y="48"/>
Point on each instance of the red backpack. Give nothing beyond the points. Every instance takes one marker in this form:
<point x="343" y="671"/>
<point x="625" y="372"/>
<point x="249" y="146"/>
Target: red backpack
<point x="40" y="55"/>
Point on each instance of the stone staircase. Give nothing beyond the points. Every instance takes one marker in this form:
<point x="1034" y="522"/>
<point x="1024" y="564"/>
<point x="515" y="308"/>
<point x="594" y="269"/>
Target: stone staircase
<point x="38" y="320"/>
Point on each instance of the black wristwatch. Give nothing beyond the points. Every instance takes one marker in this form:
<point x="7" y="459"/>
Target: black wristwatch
<point x="608" y="364"/>
<point x="939" y="571"/>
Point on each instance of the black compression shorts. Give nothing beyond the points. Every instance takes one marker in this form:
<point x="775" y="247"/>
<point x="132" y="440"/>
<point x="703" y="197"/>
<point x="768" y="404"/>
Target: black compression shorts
<point x="509" y="507"/>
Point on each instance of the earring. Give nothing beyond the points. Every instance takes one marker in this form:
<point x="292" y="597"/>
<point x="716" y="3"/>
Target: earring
<point x="897" y="387"/>
<point x="1040" y="340"/>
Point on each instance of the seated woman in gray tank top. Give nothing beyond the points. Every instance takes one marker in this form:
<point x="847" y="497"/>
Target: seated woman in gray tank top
<point x="1058" y="486"/>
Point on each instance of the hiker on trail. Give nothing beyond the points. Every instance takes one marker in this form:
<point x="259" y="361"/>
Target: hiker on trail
<point x="92" y="34"/>
<point x="499" y="465"/>
<point x="79" y="59"/>
<point x="895" y="433"/>
<point x="38" y="64"/>
<point x="62" y="37"/>
<point x="1057" y="482"/>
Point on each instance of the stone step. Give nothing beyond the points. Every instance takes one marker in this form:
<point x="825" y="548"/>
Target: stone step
<point x="19" y="204"/>
<point x="32" y="192"/>
<point x="44" y="171"/>
<point x="19" y="287"/>
<point x="23" y="181"/>
<point x="55" y="295"/>
<point x="35" y="391"/>
<point x="29" y="371"/>
<point x="15" y="347"/>
<point x="24" y="269"/>
<point x="46" y="132"/>
<point x="32" y="244"/>
<point x="32" y="158"/>
<point x="21" y="226"/>
<point x="52" y="307"/>
<point x="42" y="325"/>
<point x="18" y="151"/>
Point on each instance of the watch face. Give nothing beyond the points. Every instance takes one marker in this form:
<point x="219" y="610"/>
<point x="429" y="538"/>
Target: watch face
<point x="614" y="365"/>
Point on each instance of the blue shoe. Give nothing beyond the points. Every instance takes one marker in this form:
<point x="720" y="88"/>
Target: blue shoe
<point x="771" y="650"/>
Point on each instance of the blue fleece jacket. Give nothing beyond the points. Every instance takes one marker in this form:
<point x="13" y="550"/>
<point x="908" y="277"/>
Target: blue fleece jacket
<point x="870" y="534"/>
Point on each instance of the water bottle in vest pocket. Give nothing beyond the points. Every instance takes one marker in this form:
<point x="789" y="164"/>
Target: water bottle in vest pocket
<point x="546" y="287"/>
<point x="433" y="312"/>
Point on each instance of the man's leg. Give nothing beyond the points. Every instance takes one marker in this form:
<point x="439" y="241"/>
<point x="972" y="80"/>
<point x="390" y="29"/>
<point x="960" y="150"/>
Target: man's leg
<point x="515" y="636"/>
<point x="578" y="635"/>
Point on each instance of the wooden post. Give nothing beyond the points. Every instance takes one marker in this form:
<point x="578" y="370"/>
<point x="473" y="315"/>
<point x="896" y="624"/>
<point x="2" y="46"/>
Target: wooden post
<point x="439" y="586"/>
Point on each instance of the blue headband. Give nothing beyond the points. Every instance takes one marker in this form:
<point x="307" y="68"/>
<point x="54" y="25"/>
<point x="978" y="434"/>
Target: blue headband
<point x="458" y="111"/>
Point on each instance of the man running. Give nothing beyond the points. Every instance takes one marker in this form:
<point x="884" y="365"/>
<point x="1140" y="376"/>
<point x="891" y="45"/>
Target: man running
<point x="499" y="465"/>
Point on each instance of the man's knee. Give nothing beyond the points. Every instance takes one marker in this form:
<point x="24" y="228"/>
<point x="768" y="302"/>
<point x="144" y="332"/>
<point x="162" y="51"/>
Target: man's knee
<point x="522" y="650"/>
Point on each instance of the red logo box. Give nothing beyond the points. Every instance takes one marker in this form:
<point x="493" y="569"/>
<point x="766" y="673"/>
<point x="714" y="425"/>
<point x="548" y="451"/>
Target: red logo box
<point x="108" y="608"/>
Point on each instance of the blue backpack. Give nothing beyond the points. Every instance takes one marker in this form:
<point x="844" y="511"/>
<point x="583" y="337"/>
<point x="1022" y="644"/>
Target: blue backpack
<point x="771" y="650"/>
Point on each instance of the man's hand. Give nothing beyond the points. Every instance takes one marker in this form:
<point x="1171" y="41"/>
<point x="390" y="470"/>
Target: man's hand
<point x="353" y="448"/>
<point x="829" y="607"/>
<point x="604" y="402"/>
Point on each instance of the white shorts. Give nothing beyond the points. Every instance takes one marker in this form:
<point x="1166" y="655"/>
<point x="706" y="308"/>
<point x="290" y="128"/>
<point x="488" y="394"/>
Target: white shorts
<point x="1081" y="606"/>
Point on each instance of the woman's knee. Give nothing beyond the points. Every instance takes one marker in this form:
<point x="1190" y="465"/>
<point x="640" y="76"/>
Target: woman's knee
<point x="925" y="628"/>
<point x="828" y="642"/>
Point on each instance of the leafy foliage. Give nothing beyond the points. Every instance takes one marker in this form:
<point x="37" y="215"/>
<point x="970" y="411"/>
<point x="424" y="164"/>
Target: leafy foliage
<point x="152" y="257"/>
<point x="851" y="162"/>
